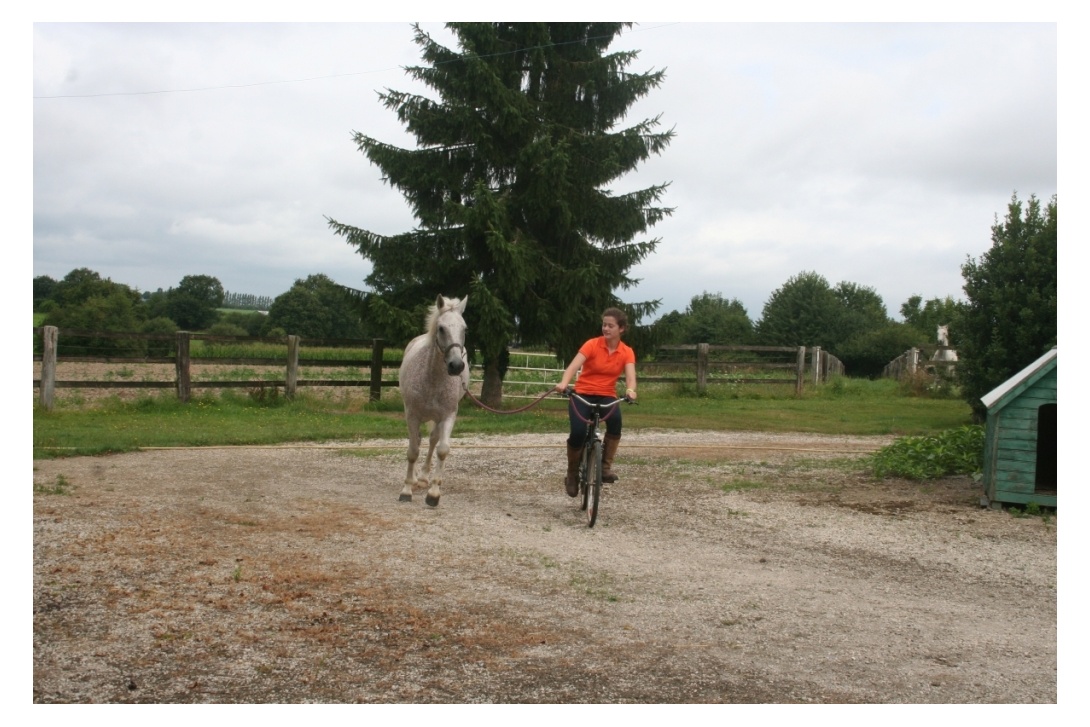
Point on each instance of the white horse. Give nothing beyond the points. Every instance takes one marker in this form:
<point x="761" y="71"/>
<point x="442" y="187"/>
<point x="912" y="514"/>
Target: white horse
<point x="943" y="335"/>
<point x="944" y="352"/>
<point x="433" y="378"/>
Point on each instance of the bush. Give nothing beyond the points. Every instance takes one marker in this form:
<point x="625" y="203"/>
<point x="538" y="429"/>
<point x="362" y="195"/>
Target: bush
<point x="161" y="325"/>
<point x="251" y="322"/>
<point x="925" y="384"/>
<point x="228" y="329"/>
<point x="952" y="452"/>
<point x="110" y="313"/>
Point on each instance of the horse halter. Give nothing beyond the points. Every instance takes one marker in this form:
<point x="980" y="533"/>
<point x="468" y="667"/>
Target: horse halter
<point x="446" y="351"/>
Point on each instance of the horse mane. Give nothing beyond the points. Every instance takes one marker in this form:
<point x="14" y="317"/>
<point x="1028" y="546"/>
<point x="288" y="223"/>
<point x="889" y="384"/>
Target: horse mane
<point x="431" y="320"/>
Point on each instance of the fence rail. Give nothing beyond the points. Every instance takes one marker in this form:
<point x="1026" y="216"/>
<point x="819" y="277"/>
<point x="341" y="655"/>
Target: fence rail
<point x="183" y="381"/>
<point x="910" y="362"/>
<point x="671" y="364"/>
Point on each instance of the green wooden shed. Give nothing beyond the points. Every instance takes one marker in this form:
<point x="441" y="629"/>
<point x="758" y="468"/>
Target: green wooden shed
<point x="1020" y="437"/>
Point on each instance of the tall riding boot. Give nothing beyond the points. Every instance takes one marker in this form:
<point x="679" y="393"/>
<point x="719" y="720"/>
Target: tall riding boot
<point x="571" y="479"/>
<point x="609" y="450"/>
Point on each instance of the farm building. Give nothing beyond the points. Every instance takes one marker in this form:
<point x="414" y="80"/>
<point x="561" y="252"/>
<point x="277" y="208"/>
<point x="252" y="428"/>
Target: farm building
<point x="1020" y="437"/>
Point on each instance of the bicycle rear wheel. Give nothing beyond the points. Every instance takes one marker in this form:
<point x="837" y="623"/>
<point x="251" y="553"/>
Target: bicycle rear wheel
<point x="593" y="490"/>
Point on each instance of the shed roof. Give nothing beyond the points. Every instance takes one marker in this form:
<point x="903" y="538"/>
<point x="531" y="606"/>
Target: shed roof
<point x="1028" y="375"/>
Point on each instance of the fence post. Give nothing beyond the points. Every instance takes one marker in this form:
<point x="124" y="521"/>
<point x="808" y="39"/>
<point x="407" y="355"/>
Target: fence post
<point x="815" y="364"/>
<point x="913" y="360"/>
<point x="49" y="366"/>
<point x="181" y="366"/>
<point x="701" y="367"/>
<point x="376" y="369"/>
<point x="291" y="376"/>
<point x="800" y="370"/>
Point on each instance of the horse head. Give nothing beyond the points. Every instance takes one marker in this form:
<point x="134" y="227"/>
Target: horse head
<point x="449" y="331"/>
<point x="943" y="335"/>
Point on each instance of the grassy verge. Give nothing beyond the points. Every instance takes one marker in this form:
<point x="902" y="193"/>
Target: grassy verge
<point x="112" y="425"/>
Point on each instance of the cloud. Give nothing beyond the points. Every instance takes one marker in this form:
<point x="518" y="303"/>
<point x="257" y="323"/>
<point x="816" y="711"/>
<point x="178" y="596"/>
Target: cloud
<point x="869" y="153"/>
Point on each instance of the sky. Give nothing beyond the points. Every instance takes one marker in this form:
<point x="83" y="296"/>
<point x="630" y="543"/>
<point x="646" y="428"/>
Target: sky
<point x="878" y="153"/>
<point x="873" y="153"/>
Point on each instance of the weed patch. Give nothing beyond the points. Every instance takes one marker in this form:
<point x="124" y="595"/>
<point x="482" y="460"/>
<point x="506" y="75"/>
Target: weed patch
<point x="952" y="452"/>
<point x="60" y="487"/>
<point x="736" y="485"/>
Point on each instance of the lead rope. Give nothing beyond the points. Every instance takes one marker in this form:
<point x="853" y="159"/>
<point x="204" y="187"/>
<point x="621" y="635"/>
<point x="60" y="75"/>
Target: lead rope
<point x="574" y="408"/>
<point x="486" y="407"/>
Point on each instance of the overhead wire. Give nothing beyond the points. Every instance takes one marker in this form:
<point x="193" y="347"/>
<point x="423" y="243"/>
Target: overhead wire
<point x="256" y="84"/>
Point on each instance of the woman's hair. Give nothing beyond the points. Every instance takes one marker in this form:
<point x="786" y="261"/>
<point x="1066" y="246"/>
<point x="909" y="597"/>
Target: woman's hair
<point x="618" y="315"/>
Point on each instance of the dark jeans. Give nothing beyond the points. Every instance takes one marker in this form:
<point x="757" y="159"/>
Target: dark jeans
<point x="579" y="428"/>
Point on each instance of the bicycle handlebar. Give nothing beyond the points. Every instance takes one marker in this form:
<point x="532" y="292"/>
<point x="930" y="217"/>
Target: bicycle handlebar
<point x="570" y="392"/>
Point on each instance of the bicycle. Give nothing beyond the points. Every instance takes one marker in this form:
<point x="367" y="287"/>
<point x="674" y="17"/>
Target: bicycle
<point x="590" y="468"/>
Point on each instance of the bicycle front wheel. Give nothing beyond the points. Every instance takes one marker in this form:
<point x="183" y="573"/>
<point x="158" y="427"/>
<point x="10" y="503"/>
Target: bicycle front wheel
<point x="586" y="473"/>
<point x="593" y="490"/>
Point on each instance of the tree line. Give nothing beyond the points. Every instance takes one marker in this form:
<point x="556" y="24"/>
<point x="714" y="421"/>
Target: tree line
<point x="1007" y="320"/>
<point x="314" y="307"/>
<point x="521" y="146"/>
<point x="847" y="319"/>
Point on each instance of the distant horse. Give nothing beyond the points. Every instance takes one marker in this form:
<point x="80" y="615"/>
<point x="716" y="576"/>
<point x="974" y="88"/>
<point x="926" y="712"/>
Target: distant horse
<point x="943" y="352"/>
<point x="433" y="378"/>
<point x="943" y="335"/>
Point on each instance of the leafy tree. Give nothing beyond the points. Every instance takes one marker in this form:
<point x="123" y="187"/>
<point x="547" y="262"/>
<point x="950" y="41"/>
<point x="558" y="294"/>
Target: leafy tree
<point x="1010" y="318"/>
<point x="188" y="312"/>
<point x="113" y="312"/>
<point x="927" y="316"/>
<point x="44" y="288"/>
<point x="82" y="284"/>
<point x="805" y="311"/>
<point x="668" y="328"/>
<point x="204" y="288"/>
<point x="868" y="352"/>
<point x="510" y="185"/>
<point x="85" y="301"/>
<point x="710" y="318"/>
<point x="315" y="307"/>
<point x="193" y="304"/>
<point x="862" y="310"/>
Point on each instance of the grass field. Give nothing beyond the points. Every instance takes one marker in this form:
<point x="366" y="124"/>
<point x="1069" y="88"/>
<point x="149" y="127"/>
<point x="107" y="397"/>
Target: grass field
<point x="110" y="425"/>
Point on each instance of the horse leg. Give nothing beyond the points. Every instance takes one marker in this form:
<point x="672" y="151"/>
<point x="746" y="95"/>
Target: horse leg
<point x="440" y="442"/>
<point x="414" y="453"/>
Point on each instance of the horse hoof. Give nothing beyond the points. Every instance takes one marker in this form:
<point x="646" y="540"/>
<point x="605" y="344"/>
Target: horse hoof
<point x="431" y="501"/>
<point x="405" y="498"/>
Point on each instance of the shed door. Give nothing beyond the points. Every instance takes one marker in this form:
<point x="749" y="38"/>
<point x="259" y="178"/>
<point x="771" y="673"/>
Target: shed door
<point x="1045" y="480"/>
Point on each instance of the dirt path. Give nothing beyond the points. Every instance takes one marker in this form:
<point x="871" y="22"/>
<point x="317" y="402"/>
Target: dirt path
<point x="294" y="575"/>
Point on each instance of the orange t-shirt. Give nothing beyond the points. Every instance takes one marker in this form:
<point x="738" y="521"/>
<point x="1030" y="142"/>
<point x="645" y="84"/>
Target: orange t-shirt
<point x="602" y="369"/>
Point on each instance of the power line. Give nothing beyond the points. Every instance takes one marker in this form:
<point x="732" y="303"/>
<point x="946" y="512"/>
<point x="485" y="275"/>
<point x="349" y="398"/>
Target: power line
<point x="303" y="80"/>
<point x="213" y="88"/>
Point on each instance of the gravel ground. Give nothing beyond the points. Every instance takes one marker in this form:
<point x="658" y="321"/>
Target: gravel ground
<point x="725" y="568"/>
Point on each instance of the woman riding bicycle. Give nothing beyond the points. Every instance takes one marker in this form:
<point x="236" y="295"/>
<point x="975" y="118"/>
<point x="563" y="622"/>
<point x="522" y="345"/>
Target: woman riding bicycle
<point x="603" y="360"/>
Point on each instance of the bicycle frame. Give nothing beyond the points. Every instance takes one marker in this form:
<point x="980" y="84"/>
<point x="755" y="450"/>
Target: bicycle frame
<point x="590" y="471"/>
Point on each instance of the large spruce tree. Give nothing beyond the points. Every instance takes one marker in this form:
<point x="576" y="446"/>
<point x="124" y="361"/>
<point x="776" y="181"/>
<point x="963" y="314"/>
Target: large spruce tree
<point x="509" y="184"/>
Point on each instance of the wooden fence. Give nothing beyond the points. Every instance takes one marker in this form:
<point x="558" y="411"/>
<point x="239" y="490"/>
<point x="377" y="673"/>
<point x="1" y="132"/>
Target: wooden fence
<point x="914" y="360"/>
<point x="737" y="364"/>
<point x="692" y="364"/>
<point x="670" y="364"/>
<point x="183" y="382"/>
